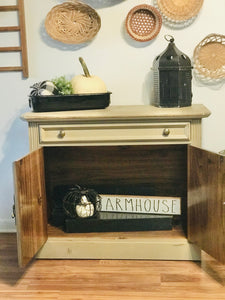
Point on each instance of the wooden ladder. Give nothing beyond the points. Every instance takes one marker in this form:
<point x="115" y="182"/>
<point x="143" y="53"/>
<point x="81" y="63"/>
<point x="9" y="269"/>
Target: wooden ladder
<point x="23" y="44"/>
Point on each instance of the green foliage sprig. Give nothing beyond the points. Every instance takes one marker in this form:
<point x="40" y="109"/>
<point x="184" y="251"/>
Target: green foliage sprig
<point x="63" y="85"/>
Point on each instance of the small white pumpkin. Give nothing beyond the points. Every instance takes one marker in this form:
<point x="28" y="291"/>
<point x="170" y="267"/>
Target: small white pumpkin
<point x="85" y="209"/>
<point x="87" y="84"/>
<point x="44" y="92"/>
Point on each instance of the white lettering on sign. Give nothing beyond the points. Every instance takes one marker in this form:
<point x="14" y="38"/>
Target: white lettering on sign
<point x="141" y="204"/>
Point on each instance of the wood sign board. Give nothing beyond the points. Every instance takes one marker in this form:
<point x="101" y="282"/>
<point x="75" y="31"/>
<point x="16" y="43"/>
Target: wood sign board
<point x="141" y="204"/>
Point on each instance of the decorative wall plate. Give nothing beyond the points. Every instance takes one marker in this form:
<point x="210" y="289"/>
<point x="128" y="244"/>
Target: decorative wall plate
<point x="178" y="13"/>
<point x="209" y="58"/>
<point x="72" y="22"/>
<point x="143" y="22"/>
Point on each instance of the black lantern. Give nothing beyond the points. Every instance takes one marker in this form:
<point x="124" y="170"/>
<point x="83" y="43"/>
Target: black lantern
<point x="172" y="77"/>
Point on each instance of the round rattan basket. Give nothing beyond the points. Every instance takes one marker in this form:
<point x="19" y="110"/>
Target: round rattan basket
<point x="143" y="22"/>
<point x="178" y="13"/>
<point x="72" y="22"/>
<point x="209" y="58"/>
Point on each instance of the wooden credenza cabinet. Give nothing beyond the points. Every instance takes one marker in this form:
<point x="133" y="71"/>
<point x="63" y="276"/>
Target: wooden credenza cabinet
<point x="160" y="140"/>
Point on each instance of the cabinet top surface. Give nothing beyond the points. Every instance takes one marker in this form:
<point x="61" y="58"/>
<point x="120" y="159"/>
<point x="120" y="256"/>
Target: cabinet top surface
<point x="123" y="112"/>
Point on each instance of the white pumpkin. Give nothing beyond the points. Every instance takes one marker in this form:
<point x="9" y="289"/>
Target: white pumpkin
<point x="85" y="209"/>
<point x="87" y="84"/>
<point x="44" y="92"/>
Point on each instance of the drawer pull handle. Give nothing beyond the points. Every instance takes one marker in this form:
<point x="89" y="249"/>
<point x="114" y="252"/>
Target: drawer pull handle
<point x="61" y="134"/>
<point x="166" y="132"/>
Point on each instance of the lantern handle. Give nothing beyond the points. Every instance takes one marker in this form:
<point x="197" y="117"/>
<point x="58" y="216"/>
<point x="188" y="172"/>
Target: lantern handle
<point x="169" y="38"/>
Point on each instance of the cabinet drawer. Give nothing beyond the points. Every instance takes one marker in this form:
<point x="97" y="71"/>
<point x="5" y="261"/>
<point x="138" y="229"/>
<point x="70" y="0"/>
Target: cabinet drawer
<point x="115" y="133"/>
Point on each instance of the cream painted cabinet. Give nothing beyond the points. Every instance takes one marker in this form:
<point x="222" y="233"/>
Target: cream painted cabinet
<point x="117" y="125"/>
<point x="119" y="139"/>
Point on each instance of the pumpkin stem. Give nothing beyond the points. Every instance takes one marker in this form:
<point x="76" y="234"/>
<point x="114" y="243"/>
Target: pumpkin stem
<point x="84" y="66"/>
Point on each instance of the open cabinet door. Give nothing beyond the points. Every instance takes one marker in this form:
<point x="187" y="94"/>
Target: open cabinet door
<point x="206" y="201"/>
<point x="30" y="204"/>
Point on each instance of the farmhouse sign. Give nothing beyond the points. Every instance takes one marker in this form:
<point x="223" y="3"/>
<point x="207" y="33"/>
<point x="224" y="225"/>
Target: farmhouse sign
<point x="141" y="204"/>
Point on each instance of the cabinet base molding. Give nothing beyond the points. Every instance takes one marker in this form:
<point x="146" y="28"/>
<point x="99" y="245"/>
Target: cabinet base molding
<point x="100" y="248"/>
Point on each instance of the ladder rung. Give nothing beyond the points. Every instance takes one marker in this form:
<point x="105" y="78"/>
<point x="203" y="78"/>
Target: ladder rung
<point x="19" y="7"/>
<point x="10" y="49"/>
<point x="9" y="28"/>
<point x="8" y="7"/>
<point x="8" y="69"/>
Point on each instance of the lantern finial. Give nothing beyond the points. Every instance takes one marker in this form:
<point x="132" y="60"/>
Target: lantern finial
<point x="169" y="38"/>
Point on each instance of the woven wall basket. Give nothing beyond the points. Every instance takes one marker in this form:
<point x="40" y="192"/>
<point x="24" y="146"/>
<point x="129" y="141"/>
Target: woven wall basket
<point x="143" y="22"/>
<point x="178" y="13"/>
<point x="72" y="22"/>
<point x="209" y="58"/>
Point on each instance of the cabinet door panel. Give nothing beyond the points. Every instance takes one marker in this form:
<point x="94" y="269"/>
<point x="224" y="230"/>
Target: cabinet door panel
<point x="206" y="196"/>
<point x="30" y="202"/>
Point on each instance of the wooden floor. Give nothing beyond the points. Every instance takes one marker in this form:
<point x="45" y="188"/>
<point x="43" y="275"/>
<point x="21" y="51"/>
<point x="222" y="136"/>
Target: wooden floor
<point x="100" y="279"/>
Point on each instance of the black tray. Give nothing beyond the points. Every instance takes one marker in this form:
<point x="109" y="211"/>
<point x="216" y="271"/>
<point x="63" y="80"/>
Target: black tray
<point x="117" y="224"/>
<point x="69" y="102"/>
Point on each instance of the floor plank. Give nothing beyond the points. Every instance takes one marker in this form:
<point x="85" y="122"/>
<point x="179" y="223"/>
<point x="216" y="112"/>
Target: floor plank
<point x="102" y="279"/>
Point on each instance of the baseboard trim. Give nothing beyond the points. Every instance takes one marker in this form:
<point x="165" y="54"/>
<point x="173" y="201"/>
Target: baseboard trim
<point x="7" y="225"/>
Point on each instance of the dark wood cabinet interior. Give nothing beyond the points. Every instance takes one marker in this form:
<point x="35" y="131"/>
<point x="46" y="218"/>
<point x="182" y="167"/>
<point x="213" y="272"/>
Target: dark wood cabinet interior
<point x="123" y="170"/>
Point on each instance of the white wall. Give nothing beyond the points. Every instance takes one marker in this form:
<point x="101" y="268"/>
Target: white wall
<point x="123" y="64"/>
